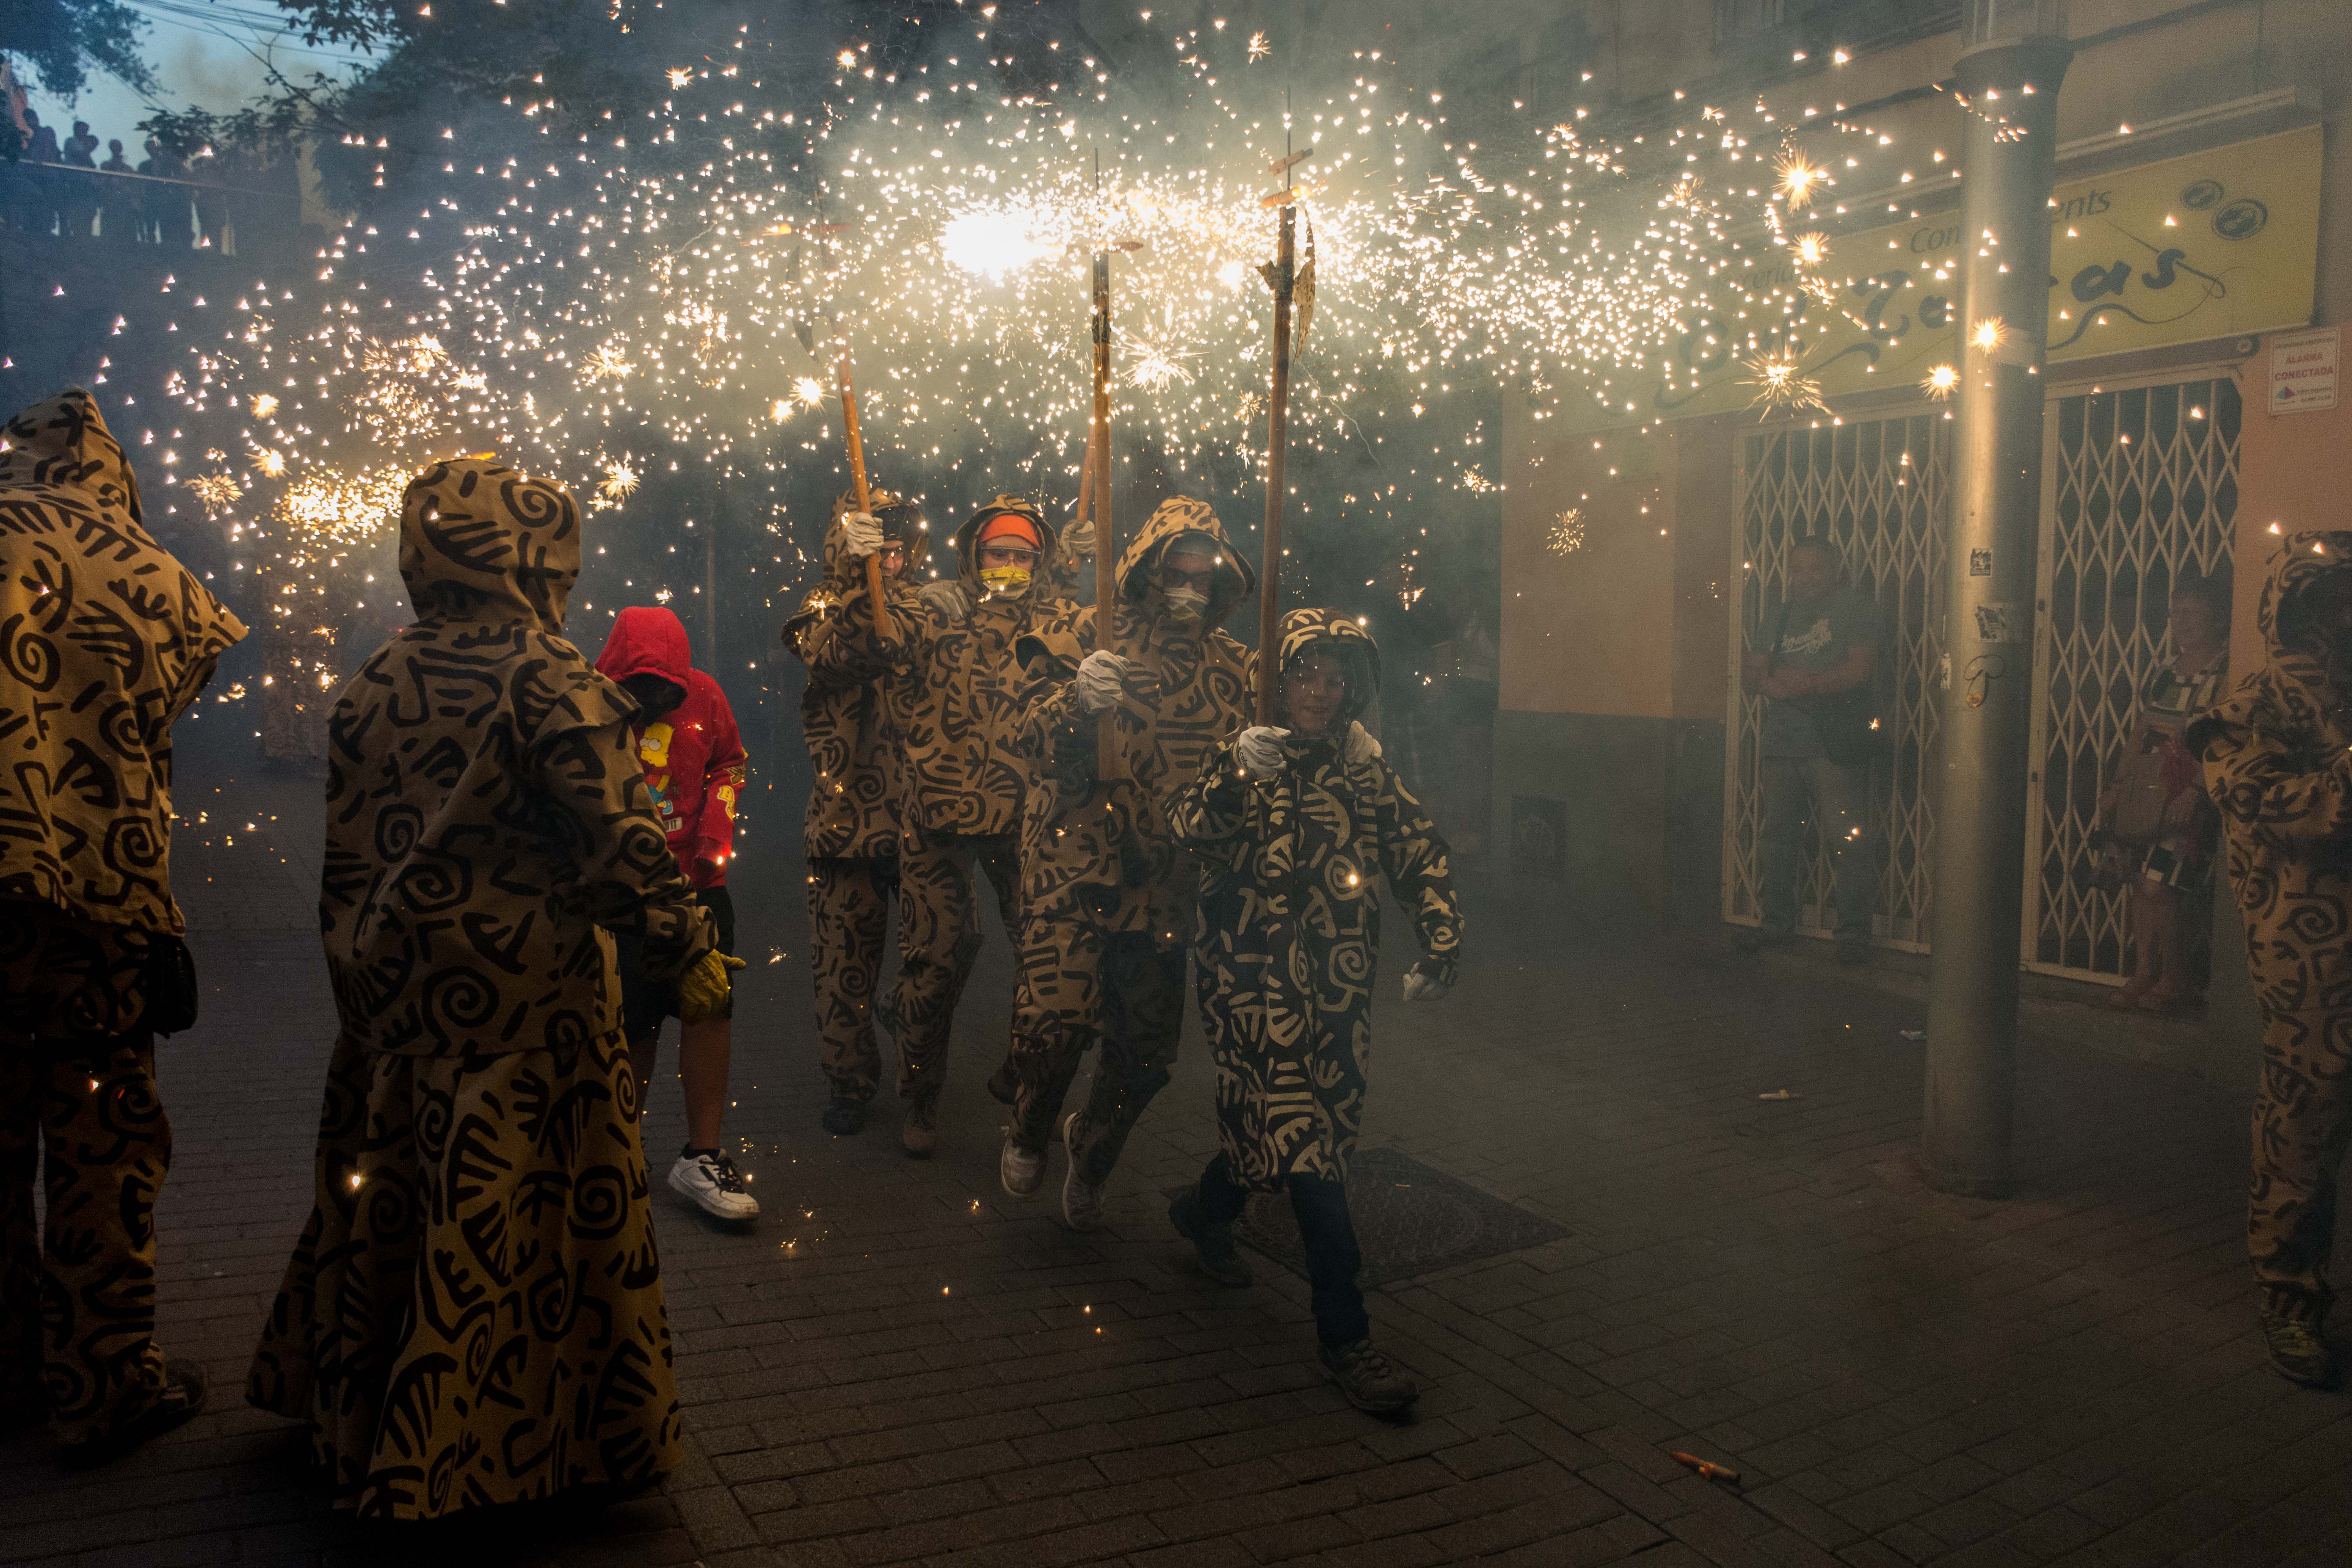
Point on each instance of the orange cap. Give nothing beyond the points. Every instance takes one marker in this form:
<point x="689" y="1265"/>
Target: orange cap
<point x="1007" y="522"/>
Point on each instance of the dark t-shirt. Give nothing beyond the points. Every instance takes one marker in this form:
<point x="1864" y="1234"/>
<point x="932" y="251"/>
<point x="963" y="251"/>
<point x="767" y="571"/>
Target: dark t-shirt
<point x="1818" y="634"/>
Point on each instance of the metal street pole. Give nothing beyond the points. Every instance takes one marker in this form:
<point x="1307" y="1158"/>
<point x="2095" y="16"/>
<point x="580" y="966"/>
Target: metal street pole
<point x="2013" y="58"/>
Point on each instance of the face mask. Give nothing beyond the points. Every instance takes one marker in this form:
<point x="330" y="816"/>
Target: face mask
<point x="1186" y="605"/>
<point x="1005" y="582"/>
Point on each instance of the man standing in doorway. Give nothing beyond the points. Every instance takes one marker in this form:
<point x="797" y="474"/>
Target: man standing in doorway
<point x="1816" y="664"/>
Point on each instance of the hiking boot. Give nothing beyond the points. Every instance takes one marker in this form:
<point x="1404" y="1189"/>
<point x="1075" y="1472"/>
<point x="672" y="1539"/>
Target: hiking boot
<point x="919" y="1133"/>
<point x="1212" y="1244"/>
<point x="711" y="1182"/>
<point x="1756" y="939"/>
<point x="2298" y="1349"/>
<point x="843" y="1116"/>
<point x="183" y="1396"/>
<point x="1022" y="1171"/>
<point x="1369" y="1380"/>
<point x="1081" y="1199"/>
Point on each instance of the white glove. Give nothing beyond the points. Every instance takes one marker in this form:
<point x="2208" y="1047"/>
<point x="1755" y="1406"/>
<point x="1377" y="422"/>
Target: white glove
<point x="1259" y="749"/>
<point x="1420" y="987"/>
<point x="1078" y="540"/>
<point x="1359" y="747"/>
<point x="947" y="596"/>
<point x="1102" y="678"/>
<point x="861" y="536"/>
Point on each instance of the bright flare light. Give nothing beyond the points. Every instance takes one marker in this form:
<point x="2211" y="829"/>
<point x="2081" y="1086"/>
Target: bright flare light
<point x="989" y="244"/>
<point x="1941" y="381"/>
<point x="1988" y="332"/>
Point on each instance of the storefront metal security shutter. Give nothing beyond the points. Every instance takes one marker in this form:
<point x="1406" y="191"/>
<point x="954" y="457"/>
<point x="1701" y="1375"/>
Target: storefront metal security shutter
<point x="1878" y="489"/>
<point x="2139" y="492"/>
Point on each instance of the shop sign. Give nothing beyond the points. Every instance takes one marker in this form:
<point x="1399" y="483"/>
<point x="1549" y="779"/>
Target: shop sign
<point x="2223" y="243"/>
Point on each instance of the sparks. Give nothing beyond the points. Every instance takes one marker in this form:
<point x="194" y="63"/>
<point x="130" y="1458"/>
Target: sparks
<point x="1988" y="333"/>
<point x="1567" y="534"/>
<point x="1940" y="382"/>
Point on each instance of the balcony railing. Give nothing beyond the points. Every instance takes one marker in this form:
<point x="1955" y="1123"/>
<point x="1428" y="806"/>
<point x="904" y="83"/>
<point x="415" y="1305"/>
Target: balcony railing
<point x="67" y="200"/>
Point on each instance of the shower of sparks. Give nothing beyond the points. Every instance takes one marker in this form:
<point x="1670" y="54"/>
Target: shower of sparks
<point x="610" y="360"/>
<point x="1940" y="382"/>
<point x="626" y="295"/>
<point x="1779" y="385"/>
<point x="1567" y="535"/>
<point x="620" y="481"/>
<point x="1157" y="370"/>
<point x="1986" y="334"/>
<point x="1798" y="179"/>
<point x="215" y="490"/>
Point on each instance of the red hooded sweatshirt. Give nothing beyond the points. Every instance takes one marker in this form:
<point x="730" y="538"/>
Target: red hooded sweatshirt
<point x="692" y="754"/>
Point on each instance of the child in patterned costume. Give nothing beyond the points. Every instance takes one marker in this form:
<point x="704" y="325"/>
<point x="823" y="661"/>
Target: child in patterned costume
<point x="473" y="1314"/>
<point x="106" y="641"/>
<point x="1296" y="828"/>
<point x="1105" y="896"/>
<point x="954" y="720"/>
<point x="2278" y="764"/>
<point x="850" y="834"/>
<point x="695" y="768"/>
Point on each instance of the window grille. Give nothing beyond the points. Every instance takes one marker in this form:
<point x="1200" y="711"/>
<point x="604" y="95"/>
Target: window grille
<point x="2140" y="492"/>
<point x="1877" y="489"/>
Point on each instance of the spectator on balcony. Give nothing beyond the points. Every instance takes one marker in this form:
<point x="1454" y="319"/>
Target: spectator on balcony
<point x="205" y="171"/>
<point x="116" y="163"/>
<point x="43" y="147"/>
<point x="78" y="196"/>
<point x="166" y="220"/>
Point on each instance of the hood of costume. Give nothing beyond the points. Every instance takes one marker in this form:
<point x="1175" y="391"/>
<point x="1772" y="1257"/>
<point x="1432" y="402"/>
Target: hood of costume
<point x="1106" y="851"/>
<point x="693" y="756"/>
<point x="105" y="640"/>
<point x="1342" y="636"/>
<point x="486" y="816"/>
<point x="853" y="806"/>
<point x="2277" y="765"/>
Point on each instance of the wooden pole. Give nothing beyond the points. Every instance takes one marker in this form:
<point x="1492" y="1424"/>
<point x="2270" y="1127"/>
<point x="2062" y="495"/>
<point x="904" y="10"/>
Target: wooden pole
<point x="857" y="487"/>
<point x="1277" y="436"/>
<point x="1106" y="534"/>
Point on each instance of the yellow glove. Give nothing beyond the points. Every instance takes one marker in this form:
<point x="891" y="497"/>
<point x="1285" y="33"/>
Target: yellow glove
<point x="703" y="991"/>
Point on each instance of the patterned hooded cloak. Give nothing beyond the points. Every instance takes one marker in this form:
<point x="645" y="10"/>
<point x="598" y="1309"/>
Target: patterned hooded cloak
<point x="1289" y="938"/>
<point x="852" y="809"/>
<point x="474" y="1315"/>
<point x="1106" y="852"/>
<point x="105" y="640"/>
<point x="486" y="816"/>
<point x="958" y="721"/>
<point x="2277" y="766"/>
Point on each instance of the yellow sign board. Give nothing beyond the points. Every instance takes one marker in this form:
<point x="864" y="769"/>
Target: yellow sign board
<point x="2216" y="244"/>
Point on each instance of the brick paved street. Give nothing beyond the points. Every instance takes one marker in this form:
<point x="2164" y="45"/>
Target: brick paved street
<point x="900" y="1364"/>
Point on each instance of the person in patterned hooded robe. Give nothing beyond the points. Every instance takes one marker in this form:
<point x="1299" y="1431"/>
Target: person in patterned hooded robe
<point x="2277" y="757"/>
<point x="1105" y="896"/>
<point x="105" y="640"/>
<point x="1296" y="824"/>
<point x="850" y="832"/>
<point x="474" y="1313"/>
<point x="954" y="720"/>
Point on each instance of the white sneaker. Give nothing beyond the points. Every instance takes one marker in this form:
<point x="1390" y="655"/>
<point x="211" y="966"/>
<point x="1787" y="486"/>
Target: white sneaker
<point x="712" y="1183"/>
<point x="1021" y="1171"/>
<point x="1081" y="1201"/>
